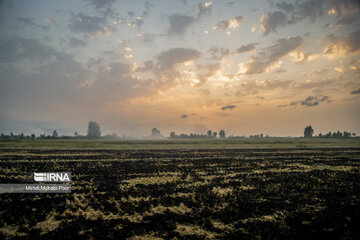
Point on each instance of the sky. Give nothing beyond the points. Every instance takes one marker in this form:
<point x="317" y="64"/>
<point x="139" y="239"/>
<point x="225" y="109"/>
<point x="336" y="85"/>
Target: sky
<point x="249" y="67"/>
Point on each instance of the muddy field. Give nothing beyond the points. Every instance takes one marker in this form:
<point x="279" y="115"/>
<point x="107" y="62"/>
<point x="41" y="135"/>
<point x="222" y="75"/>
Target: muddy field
<point x="186" y="194"/>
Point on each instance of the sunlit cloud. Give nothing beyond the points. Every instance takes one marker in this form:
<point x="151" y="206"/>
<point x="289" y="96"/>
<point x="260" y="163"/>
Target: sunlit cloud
<point x="270" y="57"/>
<point x="348" y="44"/>
<point x="232" y="23"/>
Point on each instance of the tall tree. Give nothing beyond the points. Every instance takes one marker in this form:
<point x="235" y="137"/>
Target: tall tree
<point x="308" y="131"/>
<point x="93" y="130"/>
<point x="55" y="134"/>
<point x="222" y="134"/>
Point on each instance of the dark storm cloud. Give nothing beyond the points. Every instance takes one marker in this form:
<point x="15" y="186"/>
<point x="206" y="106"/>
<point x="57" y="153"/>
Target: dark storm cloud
<point x="228" y="107"/>
<point x="184" y="116"/>
<point x="272" y="54"/>
<point x="30" y="22"/>
<point x="86" y="24"/>
<point x="75" y="43"/>
<point x="355" y="92"/>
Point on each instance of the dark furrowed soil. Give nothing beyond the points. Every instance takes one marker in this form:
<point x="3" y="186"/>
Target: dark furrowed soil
<point x="186" y="194"/>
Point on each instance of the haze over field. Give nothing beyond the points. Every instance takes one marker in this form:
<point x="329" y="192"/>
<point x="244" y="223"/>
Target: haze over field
<point x="248" y="67"/>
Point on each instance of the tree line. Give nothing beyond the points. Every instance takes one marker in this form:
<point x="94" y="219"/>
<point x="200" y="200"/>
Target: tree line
<point x="94" y="132"/>
<point x="309" y="132"/>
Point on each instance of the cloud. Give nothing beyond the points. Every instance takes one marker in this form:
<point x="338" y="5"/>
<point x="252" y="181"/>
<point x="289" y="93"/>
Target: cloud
<point x="314" y="84"/>
<point x="137" y="23"/>
<point x="355" y="92"/>
<point x="347" y="20"/>
<point x="310" y="101"/>
<point x="164" y="66"/>
<point x="311" y="10"/>
<point x="87" y="24"/>
<point x="245" y="48"/>
<point x="184" y="116"/>
<point x="101" y="3"/>
<point x="228" y="107"/>
<point x="219" y="53"/>
<point x="315" y="73"/>
<point x="270" y="56"/>
<point x="211" y="70"/>
<point x="348" y="44"/>
<point x="17" y="48"/>
<point x="66" y="84"/>
<point x="269" y="22"/>
<point x="228" y="24"/>
<point x="175" y="56"/>
<point x="75" y="43"/>
<point x="230" y="4"/>
<point x="204" y="9"/>
<point x="179" y="24"/>
<point x="255" y="87"/>
<point x="51" y="21"/>
<point x="94" y="62"/>
<point x="30" y="22"/>
<point x="184" y="2"/>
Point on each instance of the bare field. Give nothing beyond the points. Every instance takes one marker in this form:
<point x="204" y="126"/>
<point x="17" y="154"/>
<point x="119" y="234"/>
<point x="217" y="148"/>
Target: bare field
<point x="186" y="194"/>
<point x="162" y="144"/>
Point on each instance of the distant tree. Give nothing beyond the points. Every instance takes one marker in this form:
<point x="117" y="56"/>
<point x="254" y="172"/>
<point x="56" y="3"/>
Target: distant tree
<point x="209" y="134"/>
<point x="172" y="134"/>
<point x="76" y="134"/>
<point x="214" y="134"/>
<point x="354" y="134"/>
<point x="347" y="134"/>
<point x="55" y="134"/>
<point x="320" y="135"/>
<point x="33" y="135"/>
<point x="155" y="132"/>
<point x="308" y="132"/>
<point x="93" y="130"/>
<point x="2" y="135"/>
<point x="222" y="133"/>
